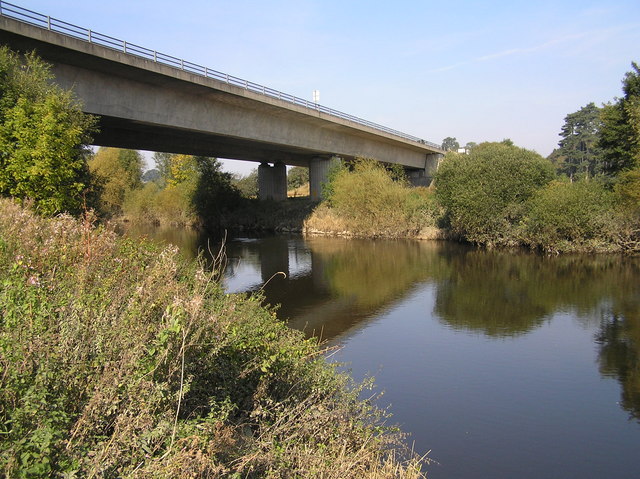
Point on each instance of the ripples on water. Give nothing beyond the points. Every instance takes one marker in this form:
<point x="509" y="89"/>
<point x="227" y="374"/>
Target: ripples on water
<point x="502" y="364"/>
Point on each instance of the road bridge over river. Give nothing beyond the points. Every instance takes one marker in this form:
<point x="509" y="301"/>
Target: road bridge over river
<point x="148" y="100"/>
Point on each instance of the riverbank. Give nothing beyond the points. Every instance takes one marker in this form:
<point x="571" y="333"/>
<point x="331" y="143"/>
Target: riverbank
<point x="497" y="196"/>
<point x="122" y="359"/>
<point x="326" y="221"/>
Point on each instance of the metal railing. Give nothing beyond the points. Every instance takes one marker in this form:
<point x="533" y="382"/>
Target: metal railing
<point x="59" y="26"/>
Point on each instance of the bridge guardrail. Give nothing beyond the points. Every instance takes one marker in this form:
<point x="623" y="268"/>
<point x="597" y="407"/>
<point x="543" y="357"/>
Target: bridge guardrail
<point x="65" y="28"/>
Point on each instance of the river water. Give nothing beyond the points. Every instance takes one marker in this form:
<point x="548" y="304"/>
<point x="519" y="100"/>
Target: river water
<point x="502" y="364"/>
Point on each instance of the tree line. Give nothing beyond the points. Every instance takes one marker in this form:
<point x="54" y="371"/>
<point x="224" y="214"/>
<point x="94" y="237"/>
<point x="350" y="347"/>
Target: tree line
<point x="586" y="198"/>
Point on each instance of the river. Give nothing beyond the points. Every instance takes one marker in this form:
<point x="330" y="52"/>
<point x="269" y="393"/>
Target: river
<point x="502" y="364"/>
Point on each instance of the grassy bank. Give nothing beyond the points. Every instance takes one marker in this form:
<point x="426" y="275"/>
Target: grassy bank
<point x="120" y="359"/>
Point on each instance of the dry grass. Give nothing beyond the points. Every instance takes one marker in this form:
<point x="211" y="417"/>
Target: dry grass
<point x="301" y="191"/>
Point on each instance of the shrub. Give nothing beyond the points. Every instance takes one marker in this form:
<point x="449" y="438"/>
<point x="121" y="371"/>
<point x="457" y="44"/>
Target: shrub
<point x="564" y="215"/>
<point x="142" y="203"/>
<point x="628" y="189"/>
<point x="373" y="203"/>
<point x="116" y="172"/>
<point x="483" y="192"/>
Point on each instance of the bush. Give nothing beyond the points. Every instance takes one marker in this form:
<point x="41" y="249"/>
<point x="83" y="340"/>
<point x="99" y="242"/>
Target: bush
<point x="562" y="215"/>
<point x="372" y="203"/>
<point x="628" y="189"/>
<point x="116" y="172"/>
<point x="483" y="192"/>
<point x="142" y="203"/>
<point x="121" y="359"/>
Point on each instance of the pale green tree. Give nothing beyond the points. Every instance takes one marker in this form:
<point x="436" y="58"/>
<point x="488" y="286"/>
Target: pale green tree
<point x="42" y="136"/>
<point x="450" y="144"/>
<point x="116" y="172"/>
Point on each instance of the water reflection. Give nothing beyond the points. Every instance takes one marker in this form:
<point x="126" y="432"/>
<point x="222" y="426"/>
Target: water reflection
<point x="619" y="351"/>
<point x="502" y="294"/>
<point x="336" y="287"/>
<point x="346" y="283"/>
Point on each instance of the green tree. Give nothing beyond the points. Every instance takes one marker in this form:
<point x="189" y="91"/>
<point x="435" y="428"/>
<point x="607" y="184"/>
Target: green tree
<point x="578" y="154"/>
<point x="162" y="161"/>
<point x="450" y="144"/>
<point x="470" y="146"/>
<point x="42" y="136"/>
<point x="297" y="176"/>
<point x="483" y="192"/>
<point x="214" y="195"/>
<point x="116" y="172"/>
<point x="563" y="214"/>
<point x="620" y="132"/>
<point x="247" y="185"/>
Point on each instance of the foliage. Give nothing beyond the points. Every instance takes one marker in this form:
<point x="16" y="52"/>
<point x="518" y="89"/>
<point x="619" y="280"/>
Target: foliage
<point x="336" y="168"/>
<point x="151" y="175"/>
<point x="483" y="192"/>
<point x="628" y="190"/>
<point x="247" y="185"/>
<point x="562" y="215"/>
<point x="162" y="161"/>
<point x="122" y="360"/>
<point x="470" y="146"/>
<point x="450" y="144"/>
<point x="578" y="154"/>
<point x="297" y="176"/>
<point x="373" y="201"/>
<point x="116" y="172"/>
<point x="42" y="133"/>
<point x="214" y="195"/>
<point x="620" y="132"/>
<point x="193" y="190"/>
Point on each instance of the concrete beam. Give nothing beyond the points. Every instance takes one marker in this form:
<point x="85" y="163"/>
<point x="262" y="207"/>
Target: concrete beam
<point x="148" y="105"/>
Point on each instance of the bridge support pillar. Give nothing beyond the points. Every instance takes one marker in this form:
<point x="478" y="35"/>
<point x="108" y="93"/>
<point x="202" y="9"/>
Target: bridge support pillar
<point x="424" y="176"/>
<point x="272" y="181"/>
<point x="318" y="174"/>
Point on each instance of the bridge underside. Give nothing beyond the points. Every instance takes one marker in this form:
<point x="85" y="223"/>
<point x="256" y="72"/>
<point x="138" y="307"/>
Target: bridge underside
<point x="151" y="106"/>
<point x="132" y="134"/>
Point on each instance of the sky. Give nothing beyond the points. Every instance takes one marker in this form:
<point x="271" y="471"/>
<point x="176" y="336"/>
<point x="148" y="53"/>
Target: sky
<point x="476" y="71"/>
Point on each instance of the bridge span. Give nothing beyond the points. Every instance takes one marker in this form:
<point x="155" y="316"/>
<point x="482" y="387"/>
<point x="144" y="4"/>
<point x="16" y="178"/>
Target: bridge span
<point x="148" y="100"/>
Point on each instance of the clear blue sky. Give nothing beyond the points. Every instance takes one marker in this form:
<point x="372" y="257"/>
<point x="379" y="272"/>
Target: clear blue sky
<point x="477" y="71"/>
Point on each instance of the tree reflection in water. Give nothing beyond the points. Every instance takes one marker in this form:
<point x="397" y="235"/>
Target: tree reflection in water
<point x="499" y="294"/>
<point x="619" y="352"/>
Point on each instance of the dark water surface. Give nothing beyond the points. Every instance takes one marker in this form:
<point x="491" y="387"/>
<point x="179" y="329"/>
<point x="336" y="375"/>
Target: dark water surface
<point x="504" y="365"/>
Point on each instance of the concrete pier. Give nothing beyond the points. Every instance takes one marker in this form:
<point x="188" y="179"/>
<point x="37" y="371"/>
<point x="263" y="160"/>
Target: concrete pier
<point x="319" y="168"/>
<point x="272" y="181"/>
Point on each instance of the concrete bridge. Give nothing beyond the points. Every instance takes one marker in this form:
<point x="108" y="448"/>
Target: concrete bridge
<point x="148" y="100"/>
